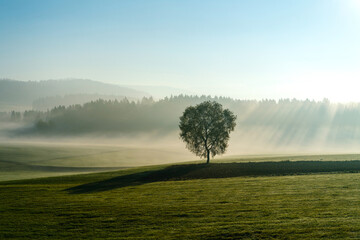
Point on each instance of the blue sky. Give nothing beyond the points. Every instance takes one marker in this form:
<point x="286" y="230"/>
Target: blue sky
<point x="243" y="49"/>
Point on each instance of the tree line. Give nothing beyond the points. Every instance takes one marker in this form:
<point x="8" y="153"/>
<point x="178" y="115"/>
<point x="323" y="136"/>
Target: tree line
<point x="123" y="116"/>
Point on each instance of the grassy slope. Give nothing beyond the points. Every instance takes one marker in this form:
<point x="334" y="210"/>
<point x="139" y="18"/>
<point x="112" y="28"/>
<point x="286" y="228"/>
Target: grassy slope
<point x="287" y="157"/>
<point x="22" y="161"/>
<point x="280" y="207"/>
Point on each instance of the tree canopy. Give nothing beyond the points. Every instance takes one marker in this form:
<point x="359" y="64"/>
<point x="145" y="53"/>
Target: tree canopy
<point x="206" y="127"/>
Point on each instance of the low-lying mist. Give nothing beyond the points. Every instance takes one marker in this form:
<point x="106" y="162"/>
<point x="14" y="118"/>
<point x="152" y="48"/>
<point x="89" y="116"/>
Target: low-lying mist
<point x="263" y="127"/>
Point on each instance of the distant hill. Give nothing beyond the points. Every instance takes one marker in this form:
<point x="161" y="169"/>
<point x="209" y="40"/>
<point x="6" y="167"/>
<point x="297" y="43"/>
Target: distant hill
<point x="21" y="94"/>
<point x="47" y="103"/>
<point x="159" y="92"/>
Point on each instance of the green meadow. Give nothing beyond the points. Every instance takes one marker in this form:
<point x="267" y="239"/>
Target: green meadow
<point x="23" y="161"/>
<point x="275" y="197"/>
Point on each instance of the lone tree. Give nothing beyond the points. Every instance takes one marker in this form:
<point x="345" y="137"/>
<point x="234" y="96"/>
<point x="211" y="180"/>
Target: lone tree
<point x="206" y="128"/>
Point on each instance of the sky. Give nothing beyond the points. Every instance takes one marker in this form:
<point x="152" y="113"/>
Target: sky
<point x="248" y="49"/>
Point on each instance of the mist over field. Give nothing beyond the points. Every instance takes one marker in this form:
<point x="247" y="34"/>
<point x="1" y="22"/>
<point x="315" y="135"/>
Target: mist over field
<point x="265" y="126"/>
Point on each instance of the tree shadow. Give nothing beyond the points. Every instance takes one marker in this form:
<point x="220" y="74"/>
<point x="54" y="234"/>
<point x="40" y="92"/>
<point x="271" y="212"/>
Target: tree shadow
<point x="218" y="170"/>
<point x="175" y="172"/>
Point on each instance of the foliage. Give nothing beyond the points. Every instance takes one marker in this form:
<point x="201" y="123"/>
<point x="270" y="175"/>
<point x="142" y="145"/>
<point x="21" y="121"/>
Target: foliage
<point x="206" y="128"/>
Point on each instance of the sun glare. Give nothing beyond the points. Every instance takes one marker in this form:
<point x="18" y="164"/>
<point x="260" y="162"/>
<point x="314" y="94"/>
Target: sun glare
<point x="354" y="5"/>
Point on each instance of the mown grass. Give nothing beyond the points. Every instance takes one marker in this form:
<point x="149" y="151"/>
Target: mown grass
<point x="310" y="206"/>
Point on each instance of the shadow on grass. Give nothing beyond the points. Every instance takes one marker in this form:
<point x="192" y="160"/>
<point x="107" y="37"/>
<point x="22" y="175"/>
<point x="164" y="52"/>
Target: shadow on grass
<point x="218" y="170"/>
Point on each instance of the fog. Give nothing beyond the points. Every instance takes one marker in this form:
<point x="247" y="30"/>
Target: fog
<point x="263" y="127"/>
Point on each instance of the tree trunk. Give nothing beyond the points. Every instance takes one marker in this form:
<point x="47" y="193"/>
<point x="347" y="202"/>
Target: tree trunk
<point x="208" y="157"/>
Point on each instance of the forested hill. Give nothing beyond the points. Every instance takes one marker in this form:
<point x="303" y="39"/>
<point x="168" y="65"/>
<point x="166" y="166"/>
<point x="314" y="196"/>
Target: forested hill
<point x="20" y="93"/>
<point x="284" y="121"/>
<point x="47" y="103"/>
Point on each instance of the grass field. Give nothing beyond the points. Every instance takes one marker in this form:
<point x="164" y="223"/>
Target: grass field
<point x="23" y="161"/>
<point x="150" y="203"/>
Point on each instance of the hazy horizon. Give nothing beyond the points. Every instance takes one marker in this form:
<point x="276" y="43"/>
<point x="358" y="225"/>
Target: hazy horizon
<point x="159" y="91"/>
